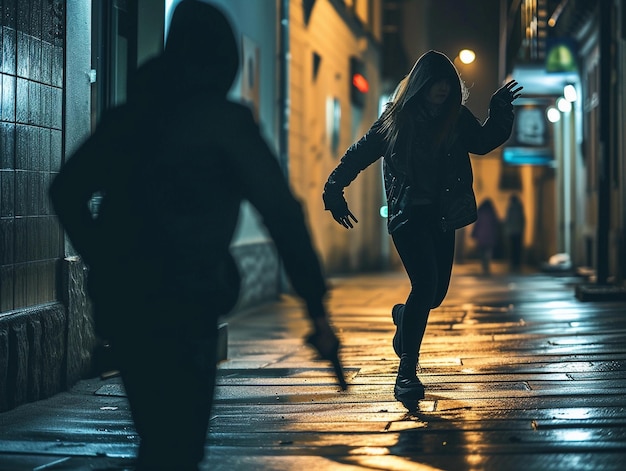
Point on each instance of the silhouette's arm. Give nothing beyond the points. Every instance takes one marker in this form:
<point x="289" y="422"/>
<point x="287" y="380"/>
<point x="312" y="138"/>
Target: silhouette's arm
<point x="263" y="183"/>
<point x="259" y="177"/>
<point x="72" y="190"/>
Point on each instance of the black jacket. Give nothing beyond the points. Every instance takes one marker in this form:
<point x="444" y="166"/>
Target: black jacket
<point x="457" y="203"/>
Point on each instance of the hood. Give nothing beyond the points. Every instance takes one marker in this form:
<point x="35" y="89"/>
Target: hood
<point x="429" y="68"/>
<point x="201" y="49"/>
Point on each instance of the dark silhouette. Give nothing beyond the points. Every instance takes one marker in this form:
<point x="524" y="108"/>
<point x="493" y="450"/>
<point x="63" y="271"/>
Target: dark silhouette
<point x="514" y="224"/>
<point x="424" y="136"/>
<point x="485" y="232"/>
<point x="173" y="165"/>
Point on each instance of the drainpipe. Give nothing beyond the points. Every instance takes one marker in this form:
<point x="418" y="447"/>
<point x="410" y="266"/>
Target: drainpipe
<point x="604" y="164"/>
<point x="504" y="36"/>
<point x="283" y="94"/>
<point x="283" y="107"/>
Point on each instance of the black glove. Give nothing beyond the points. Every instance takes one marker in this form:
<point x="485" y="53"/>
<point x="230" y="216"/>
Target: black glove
<point x="339" y="209"/>
<point x="502" y="99"/>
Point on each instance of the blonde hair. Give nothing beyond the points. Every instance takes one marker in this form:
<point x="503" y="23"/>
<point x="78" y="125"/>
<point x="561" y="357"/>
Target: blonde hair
<point x="389" y="125"/>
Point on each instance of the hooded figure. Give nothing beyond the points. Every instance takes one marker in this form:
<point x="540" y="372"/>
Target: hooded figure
<point x="172" y="166"/>
<point x="425" y="136"/>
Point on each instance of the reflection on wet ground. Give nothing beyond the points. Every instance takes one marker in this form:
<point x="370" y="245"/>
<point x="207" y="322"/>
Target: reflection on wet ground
<point x="519" y="374"/>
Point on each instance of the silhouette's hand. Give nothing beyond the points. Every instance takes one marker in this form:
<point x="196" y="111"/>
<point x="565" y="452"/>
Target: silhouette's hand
<point x="506" y="94"/>
<point x="327" y="346"/>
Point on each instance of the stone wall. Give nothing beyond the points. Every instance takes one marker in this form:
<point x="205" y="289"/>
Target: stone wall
<point x="32" y="354"/>
<point x="48" y="348"/>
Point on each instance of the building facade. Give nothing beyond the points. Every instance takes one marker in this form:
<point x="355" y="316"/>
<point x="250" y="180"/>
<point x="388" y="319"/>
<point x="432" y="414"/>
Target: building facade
<point x="571" y="59"/>
<point x="64" y="62"/>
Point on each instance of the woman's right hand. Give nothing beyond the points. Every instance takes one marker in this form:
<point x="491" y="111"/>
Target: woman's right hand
<point x="343" y="216"/>
<point x="337" y="205"/>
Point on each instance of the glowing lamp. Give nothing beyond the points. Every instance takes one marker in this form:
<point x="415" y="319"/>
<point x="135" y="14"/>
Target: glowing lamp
<point x="467" y="56"/>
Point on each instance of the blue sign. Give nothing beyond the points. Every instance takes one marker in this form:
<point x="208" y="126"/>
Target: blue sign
<point x="531" y="142"/>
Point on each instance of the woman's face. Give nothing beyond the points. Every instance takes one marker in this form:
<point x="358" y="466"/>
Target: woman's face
<point x="438" y="92"/>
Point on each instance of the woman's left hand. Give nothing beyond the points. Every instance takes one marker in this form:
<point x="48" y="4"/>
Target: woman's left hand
<point x="508" y="92"/>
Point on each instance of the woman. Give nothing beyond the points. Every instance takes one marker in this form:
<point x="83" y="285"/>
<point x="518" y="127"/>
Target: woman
<point x="424" y="136"/>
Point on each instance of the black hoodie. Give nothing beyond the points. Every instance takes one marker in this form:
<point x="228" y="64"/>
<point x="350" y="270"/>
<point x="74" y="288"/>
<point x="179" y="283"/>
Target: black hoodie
<point x="174" y="164"/>
<point x="428" y="69"/>
<point x="201" y="53"/>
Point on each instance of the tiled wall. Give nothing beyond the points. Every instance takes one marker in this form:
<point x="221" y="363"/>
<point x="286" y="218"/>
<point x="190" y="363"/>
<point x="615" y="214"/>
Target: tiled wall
<point x="31" y="122"/>
<point x="259" y="269"/>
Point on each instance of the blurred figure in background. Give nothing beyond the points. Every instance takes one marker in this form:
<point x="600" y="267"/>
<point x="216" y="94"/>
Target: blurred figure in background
<point x="485" y="233"/>
<point x="173" y="165"/>
<point x="514" y="225"/>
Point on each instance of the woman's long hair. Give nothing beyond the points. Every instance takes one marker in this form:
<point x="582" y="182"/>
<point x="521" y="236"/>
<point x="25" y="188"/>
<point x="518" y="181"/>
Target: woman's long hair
<point x="410" y="95"/>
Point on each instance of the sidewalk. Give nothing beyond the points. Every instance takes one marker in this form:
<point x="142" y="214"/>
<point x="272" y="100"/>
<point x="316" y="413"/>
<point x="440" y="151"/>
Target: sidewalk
<point x="519" y="374"/>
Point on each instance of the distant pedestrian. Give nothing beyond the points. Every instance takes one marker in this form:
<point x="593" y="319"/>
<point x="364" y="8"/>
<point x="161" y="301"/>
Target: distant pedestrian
<point x="424" y="136"/>
<point x="485" y="232"/>
<point x="173" y="165"/>
<point x="514" y="225"/>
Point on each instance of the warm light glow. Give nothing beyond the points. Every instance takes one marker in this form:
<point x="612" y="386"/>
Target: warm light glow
<point x="397" y="463"/>
<point x="467" y="56"/>
<point x="370" y="451"/>
<point x="475" y="461"/>
<point x="563" y="105"/>
<point x="569" y="92"/>
<point x="553" y="114"/>
<point x="360" y="83"/>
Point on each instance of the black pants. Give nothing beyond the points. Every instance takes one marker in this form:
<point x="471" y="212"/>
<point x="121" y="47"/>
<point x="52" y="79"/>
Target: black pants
<point x="427" y="254"/>
<point x="169" y="376"/>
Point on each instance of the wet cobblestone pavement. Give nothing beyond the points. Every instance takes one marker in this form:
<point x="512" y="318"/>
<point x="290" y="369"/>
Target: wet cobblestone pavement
<point x="519" y="375"/>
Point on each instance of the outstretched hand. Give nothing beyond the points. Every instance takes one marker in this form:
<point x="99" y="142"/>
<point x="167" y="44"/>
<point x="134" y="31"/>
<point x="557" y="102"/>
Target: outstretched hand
<point x="508" y="92"/>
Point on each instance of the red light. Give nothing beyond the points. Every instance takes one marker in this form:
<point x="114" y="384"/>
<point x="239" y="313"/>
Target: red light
<point x="360" y="83"/>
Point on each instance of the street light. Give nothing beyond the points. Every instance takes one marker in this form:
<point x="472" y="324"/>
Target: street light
<point x="569" y="92"/>
<point x="563" y="105"/>
<point x="467" y="56"/>
<point x="553" y="114"/>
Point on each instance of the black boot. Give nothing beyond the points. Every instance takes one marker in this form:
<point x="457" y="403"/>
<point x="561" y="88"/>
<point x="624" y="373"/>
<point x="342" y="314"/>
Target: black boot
<point x="408" y="387"/>
<point x="396" y="314"/>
